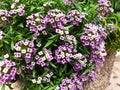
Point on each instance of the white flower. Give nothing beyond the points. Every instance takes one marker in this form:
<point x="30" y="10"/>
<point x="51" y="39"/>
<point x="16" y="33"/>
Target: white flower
<point x="39" y="78"/>
<point x="16" y="1"/>
<point x="40" y="53"/>
<point x="1" y="37"/>
<point x="23" y="51"/>
<point x="18" y="48"/>
<point x="33" y="63"/>
<point x="26" y="43"/>
<point x="66" y="32"/>
<point x="33" y="80"/>
<point x="1" y="63"/>
<point x="13" y="5"/>
<point x="1" y="32"/>
<point x="43" y="58"/>
<point x="38" y="81"/>
<point x="5" y="70"/>
<point x="37" y="20"/>
<point x="6" y="56"/>
<point x="57" y="88"/>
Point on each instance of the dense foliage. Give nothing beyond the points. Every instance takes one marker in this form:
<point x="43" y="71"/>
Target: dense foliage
<point x="56" y="44"/>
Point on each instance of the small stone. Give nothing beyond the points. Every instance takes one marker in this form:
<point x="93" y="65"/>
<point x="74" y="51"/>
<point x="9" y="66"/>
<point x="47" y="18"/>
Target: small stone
<point x="115" y="77"/>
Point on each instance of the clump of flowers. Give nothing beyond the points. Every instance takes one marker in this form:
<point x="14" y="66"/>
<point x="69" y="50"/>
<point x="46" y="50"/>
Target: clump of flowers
<point x="111" y="27"/>
<point x="44" y="56"/>
<point x="67" y="84"/>
<point x="74" y="17"/>
<point x="70" y="2"/>
<point x="65" y="49"/>
<point x="17" y="10"/>
<point x="7" y="16"/>
<point x="55" y="18"/>
<point x="8" y="71"/>
<point x="25" y="49"/>
<point x="1" y="34"/>
<point x="104" y="7"/>
<point x="64" y="53"/>
<point x="36" y="22"/>
<point x="80" y="62"/>
<point x="93" y="34"/>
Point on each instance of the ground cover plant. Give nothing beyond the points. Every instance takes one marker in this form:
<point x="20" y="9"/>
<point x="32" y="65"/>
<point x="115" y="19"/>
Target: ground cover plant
<point x="55" y="44"/>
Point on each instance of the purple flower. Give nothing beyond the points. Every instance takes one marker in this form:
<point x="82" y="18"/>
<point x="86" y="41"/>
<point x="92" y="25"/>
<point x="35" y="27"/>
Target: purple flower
<point x="104" y="7"/>
<point x="74" y="17"/>
<point x="67" y="84"/>
<point x="8" y="72"/>
<point x="24" y="49"/>
<point x="44" y="57"/>
<point x="36" y="22"/>
<point x="64" y="53"/>
<point x="55" y="18"/>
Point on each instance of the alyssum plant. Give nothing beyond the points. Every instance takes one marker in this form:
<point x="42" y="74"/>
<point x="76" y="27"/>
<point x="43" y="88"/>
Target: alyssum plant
<point x="53" y="45"/>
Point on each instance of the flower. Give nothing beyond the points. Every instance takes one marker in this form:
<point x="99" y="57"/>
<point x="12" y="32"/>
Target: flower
<point x="6" y="56"/>
<point x="55" y="18"/>
<point x="1" y="34"/>
<point x="93" y="34"/>
<point x="36" y="22"/>
<point x="104" y="7"/>
<point x="64" y="53"/>
<point x="8" y="72"/>
<point x="67" y="84"/>
<point x="43" y="57"/>
<point x="74" y="17"/>
<point x="24" y="49"/>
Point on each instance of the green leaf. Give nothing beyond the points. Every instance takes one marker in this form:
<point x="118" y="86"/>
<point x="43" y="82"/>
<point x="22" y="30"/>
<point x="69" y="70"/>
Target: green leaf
<point x="12" y="45"/>
<point x="54" y="36"/>
<point x="53" y="65"/>
<point x="21" y="25"/>
<point x="5" y="41"/>
<point x="49" y="43"/>
<point x="51" y="88"/>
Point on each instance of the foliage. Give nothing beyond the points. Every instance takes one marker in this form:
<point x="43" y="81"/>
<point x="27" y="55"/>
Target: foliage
<point x="56" y="44"/>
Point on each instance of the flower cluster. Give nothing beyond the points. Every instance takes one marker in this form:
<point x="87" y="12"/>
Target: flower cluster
<point x="55" y="54"/>
<point x="64" y="53"/>
<point x="74" y="17"/>
<point x="46" y="5"/>
<point x="69" y="2"/>
<point x="75" y="82"/>
<point x="55" y="18"/>
<point x="67" y="84"/>
<point x="93" y="34"/>
<point x="28" y="67"/>
<point x="62" y="31"/>
<point x="1" y="34"/>
<point x="98" y="52"/>
<point x="46" y="78"/>
<point x="43" y="57"/>
<point x="8" y="71"/>
<point x="6" y="16"/>
<point x="71" y="39"/>
<point x="24" y="49"/>
<point x="104" y="7"/>
<point x="17" y="10"/>
<point x="111" y="27"/>
<point x="36" y="22"/>
<point x="80" y="62"/>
